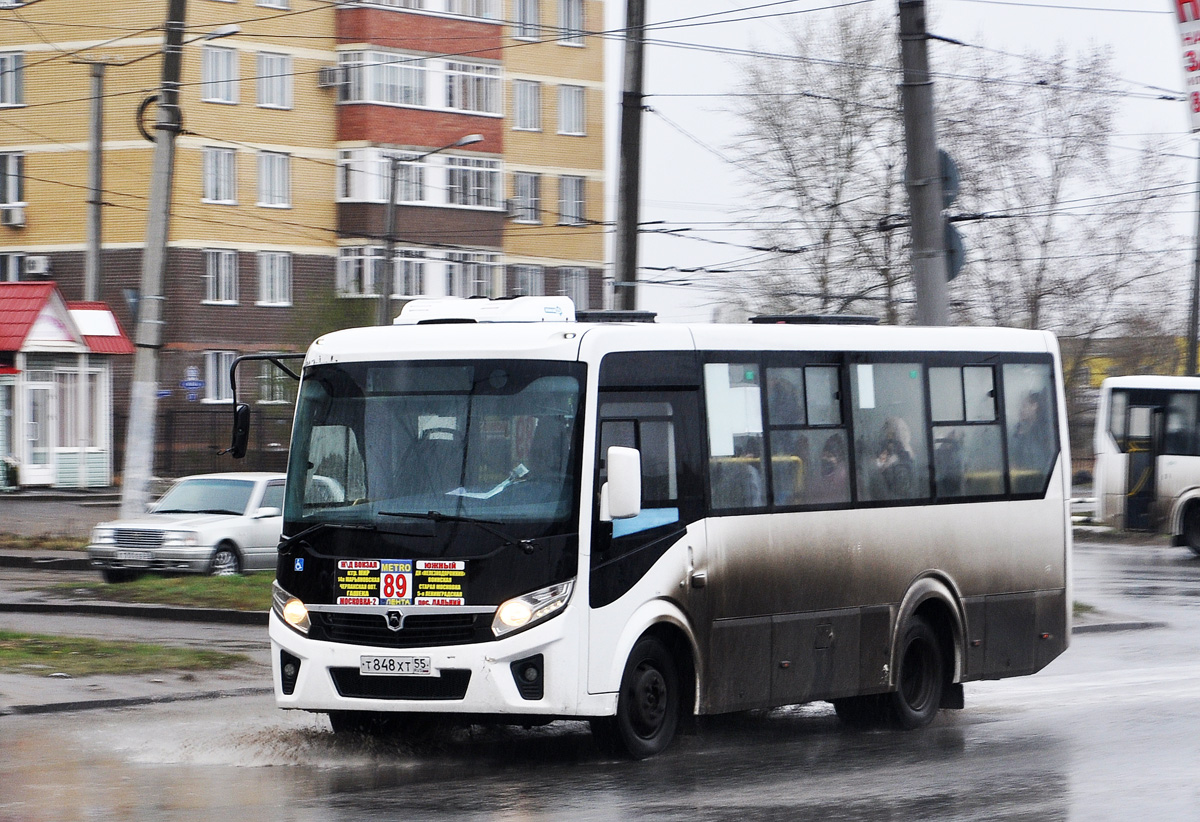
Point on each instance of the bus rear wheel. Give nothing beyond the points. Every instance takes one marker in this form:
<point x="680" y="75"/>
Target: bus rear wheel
<point x="647" y="705"/>
<point x="921" y="678"/>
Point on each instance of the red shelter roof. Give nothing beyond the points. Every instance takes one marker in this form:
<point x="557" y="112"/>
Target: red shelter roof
<point x="93" y="323"/>
<point x="20" y="305"/>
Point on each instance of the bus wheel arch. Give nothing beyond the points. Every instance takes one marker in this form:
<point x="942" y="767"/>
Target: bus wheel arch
<point x="931" y="602"/>
<point x="656" y="692"/>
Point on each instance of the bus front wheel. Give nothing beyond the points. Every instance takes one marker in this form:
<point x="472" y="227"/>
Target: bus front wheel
<point x="920" y="679"/>
<point x="647" y="704"/>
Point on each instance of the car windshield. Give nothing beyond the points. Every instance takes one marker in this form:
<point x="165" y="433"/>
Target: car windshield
<point x="492" y="439"/>
<point x="206" y="496"/>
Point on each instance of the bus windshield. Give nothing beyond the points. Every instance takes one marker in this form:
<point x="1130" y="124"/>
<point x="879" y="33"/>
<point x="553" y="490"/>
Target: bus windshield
<point x="493" y="440"/>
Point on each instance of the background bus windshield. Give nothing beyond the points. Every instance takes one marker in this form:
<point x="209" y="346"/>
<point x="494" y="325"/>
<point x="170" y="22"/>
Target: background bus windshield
<point x="493" y="440"/>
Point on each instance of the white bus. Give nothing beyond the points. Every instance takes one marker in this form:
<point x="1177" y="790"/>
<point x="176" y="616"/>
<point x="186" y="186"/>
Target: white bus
<point x="497" y="512"/>
<point x="1147" y="448"/>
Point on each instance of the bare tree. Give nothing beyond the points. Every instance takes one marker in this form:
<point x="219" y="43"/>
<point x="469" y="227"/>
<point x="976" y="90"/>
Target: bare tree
<point x="823" y="148"/>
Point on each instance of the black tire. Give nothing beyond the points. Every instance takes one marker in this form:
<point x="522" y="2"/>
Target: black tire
<point x="648" y="704"/>
<point x="920" y="678"/>
<point x="225" y="561"/>
<point x="861" y="711"/>
<point x="1191" y="528"/>
<point x="115" y="576"/>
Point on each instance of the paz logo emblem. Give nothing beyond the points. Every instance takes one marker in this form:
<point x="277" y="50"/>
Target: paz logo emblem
<point x="395" y="620"/>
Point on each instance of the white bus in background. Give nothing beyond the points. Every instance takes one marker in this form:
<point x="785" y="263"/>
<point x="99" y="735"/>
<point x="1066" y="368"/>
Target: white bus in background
<point x="1147" y="448"/>
<point x="495" y="511"/>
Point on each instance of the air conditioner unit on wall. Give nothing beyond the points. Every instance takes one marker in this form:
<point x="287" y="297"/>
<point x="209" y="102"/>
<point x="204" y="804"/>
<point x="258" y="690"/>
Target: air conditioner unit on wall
<point x="329" y="76"/>
<point x="36" y="264"/>
<point x="12" y="216"/>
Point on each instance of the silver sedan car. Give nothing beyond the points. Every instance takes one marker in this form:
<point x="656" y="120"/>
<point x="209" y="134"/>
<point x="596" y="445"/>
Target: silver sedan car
<point x="208" y="524"/>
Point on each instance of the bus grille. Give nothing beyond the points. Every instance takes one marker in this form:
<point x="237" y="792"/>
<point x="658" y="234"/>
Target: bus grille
<point x="138" y="538"/>
<point x="419" y="630"/>
<point x="452" y="684"/>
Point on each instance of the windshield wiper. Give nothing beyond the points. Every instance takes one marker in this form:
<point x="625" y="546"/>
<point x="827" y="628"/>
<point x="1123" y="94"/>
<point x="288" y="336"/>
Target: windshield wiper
<point x="286" y="542"/>
<point x="525" y="545"/>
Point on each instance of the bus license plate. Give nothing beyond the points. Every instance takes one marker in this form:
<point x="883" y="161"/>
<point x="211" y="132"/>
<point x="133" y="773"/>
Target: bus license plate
<point x="395" y="666"/>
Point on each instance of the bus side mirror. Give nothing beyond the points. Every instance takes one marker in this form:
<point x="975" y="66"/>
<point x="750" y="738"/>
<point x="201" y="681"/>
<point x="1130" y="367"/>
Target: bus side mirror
<point x="621" y="496"/>
<point x="241" y="430"/>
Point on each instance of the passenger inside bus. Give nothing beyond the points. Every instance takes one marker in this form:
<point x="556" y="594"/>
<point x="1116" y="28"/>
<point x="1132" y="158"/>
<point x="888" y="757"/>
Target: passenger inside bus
<point x="894" y="460"/>
<point x="833" y="481"/>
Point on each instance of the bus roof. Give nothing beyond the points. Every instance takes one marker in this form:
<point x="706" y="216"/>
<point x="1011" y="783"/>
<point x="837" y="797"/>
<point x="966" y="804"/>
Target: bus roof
<point x="1151" y="381"/>
<point x="590" y="341"/>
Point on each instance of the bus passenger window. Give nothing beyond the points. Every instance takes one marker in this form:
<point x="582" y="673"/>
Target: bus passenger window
<point x="1180" y="436"/>
<point x="1029" y="413"/>
<point x="733" y="395"/>
<point x="890" y="446"/>
<point x="968" y="460"/>
<point x="808" y="452"/>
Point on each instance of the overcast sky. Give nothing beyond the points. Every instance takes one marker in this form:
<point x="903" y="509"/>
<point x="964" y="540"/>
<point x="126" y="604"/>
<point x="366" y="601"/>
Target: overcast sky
<point x="688" y="184"/>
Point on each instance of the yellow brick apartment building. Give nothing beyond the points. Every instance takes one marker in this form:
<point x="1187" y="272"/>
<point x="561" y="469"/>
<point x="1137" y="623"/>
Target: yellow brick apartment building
<point x="293" y="111"/>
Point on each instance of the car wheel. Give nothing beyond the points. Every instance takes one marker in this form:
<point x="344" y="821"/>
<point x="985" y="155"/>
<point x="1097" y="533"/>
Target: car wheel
<point x="921" y="677"/>
<point x="225" y="562"/>
<point x="647" y="705"/>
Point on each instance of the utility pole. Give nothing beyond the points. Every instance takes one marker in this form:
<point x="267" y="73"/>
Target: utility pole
<point x="91" y="267"/>
<point x="630" y="162"/>
<point x="923" y="175"/>
<point x="1194" y="312"/>
<point x="143" y="400"/>
<point x="384" y="316"/>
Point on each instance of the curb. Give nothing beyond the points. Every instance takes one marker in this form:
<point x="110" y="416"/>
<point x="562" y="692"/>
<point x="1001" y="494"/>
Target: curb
<point x="169" y="613"/>
<point x="46" y="563"/>
<point x="129" y="702"/>
<point x="1113" y="627"/>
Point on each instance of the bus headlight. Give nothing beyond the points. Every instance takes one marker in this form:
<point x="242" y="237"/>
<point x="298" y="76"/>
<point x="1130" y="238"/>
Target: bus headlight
<point x="291" y="610"/>
<point x="522" y="612"/>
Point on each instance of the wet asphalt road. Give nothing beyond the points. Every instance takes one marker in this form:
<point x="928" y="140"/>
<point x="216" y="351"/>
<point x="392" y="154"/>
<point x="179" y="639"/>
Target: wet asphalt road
<point x="1108" y="731"/>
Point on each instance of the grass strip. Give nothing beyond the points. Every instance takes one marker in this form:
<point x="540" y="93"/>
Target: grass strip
<point x="251" y="592"/>
<point x="16" y="542"/>
<point x="42" y="655"/>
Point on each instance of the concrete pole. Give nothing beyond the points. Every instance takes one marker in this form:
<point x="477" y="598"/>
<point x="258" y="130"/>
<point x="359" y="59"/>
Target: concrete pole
<point x="923" y="176"/>
<point x="1194" y="312"/>
<point x="629" y="173"/>
<point x="91" y="268"/>
<point x="143" y="400"/>
<point x="384" y="317"/>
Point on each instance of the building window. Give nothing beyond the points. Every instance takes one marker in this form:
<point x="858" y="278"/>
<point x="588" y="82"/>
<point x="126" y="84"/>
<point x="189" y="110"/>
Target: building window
<point x="274" y="278"/>
<point x="274" y="80"/>
<point x="219" y="75"/>
<point x="469" y="275"/>
<point x="220" y="276"/>
<point x="573" y="283"/>
<point x="216" y="375"/>
<point x="382" y="77"/>
<point x="571" y="207"/>
<point x="570" y="22"/>
<point x="483" y="9"/>
<point x="472" y="181"/>
<point x="410" y="273"/>
<point x="527" y="105"/>
<point x="527" y="25"/>
<point x="12" y="178"/>
<point x="356" y="268"/>
<point x="10" y="266"/>
<point x="527" y="197"/>
<point x="364" y="176"/>
<point x="570" y="110"/>
<point x="274" y="179"/>
<point x="274" y="386"/>
<point x="472" y="87"/>
<point x="530" y="280"/>
<point x="12" y="78"/>
<point x="220" y="175"/>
